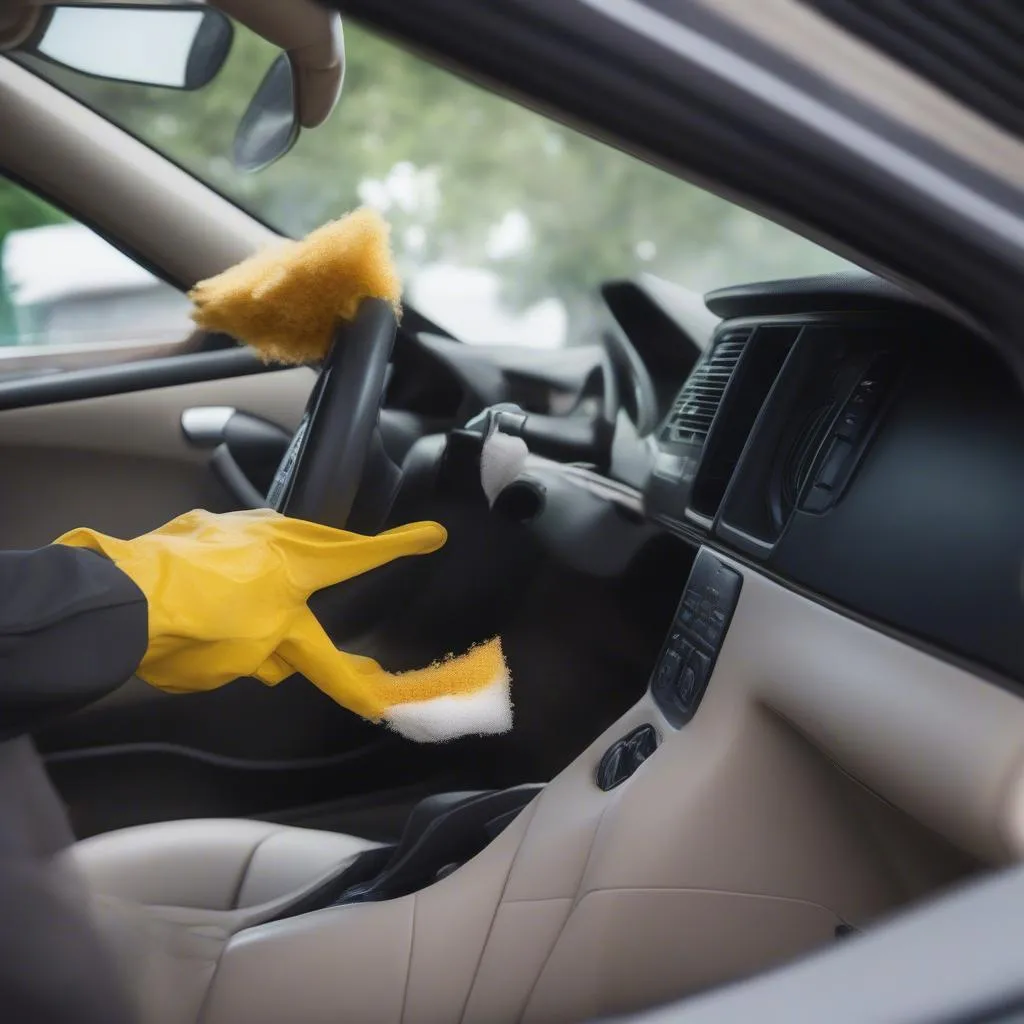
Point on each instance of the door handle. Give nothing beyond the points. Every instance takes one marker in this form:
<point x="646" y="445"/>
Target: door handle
<point x="227" y="470"/>
<point x="205" y="426"/>
<point x="246" y="449"/>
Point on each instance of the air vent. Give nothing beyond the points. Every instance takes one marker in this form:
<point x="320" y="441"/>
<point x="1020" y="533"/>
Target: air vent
<point x="766" y="352"/>
<point x="799" y="461"/>
<point x="694" y="410"/>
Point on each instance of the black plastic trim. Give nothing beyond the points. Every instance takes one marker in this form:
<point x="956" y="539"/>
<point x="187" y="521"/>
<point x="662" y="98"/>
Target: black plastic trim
<point x="694" y="536"/>
<point x="822" y="293"/>
<point x="443" y="832"/>
<point x="623" y="758"/>
<point x="683" y="671"/>
<point x="919" y="531"/>
<point x="143" y="375"/>
<point x="244" y="764"/>
<point x="928" y="534"/>
<point x="752" y="514"/>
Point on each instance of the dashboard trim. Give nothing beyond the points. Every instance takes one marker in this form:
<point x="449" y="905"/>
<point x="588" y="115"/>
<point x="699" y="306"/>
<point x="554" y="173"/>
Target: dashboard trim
<point x="983" y="671"/>
<point x="919" y="530"/>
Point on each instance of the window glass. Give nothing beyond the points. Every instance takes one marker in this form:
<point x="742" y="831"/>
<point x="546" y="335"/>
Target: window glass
<point x="505" y="222"/>
<point x="68" y="297"/>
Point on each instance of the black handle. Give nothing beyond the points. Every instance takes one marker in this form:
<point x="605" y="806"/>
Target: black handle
<point x="231" y="475"/>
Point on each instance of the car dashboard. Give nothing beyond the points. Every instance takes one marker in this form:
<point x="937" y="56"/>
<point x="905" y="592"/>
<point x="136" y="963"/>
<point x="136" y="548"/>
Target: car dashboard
<point x="861" y="449"/>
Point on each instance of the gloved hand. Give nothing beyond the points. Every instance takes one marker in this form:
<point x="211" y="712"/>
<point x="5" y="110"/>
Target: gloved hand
<point x="227" y="598"/>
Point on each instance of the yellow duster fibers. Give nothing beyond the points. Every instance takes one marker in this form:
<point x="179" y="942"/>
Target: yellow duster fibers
<point x="286" y="301"/>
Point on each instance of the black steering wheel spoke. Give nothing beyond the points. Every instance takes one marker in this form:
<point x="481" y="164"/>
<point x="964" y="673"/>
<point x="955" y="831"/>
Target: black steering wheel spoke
<point x="336" y="471"/>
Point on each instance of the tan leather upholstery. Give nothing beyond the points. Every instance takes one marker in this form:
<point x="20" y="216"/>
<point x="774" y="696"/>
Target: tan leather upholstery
<point x="832" y="775"/>
<point x="213" y="864"/>
<point x="168" y="897"/>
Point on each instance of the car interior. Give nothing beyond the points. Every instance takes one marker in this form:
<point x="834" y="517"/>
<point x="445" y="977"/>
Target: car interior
<point x="755" y="582"/>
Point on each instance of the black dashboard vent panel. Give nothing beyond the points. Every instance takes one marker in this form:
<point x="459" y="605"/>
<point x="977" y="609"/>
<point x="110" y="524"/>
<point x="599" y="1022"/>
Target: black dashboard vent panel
<point x="800" y="460"/>
<point x="753" y="380"/>
<point x="754" y="511"/>
<point x="694" y="409"/>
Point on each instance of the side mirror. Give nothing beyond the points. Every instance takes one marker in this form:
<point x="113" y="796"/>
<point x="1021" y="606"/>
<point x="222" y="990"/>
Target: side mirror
<point x="180" y="47"/>
<point x="270" y="125"/>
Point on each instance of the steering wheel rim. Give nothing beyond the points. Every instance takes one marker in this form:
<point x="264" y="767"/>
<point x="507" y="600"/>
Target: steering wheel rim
<point x="319" y="477"/>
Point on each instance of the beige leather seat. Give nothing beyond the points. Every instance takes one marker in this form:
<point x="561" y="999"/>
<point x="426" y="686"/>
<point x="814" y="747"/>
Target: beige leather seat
<point x="217" y="864"/>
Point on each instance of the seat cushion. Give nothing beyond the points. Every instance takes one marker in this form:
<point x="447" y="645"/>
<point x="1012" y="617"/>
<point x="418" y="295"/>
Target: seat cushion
<point x="212" y="863"/>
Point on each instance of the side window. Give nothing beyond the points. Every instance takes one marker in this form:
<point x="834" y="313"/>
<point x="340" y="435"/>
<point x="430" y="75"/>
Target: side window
<point x="505" y="224"/>
<point x="69" y="299"/>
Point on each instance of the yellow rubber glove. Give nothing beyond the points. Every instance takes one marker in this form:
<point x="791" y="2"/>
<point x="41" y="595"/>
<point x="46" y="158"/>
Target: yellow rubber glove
<point x="227" y="598"/>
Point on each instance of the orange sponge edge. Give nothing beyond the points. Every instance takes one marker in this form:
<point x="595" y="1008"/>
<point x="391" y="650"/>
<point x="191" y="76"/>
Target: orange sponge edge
<point x="286" y="300"/>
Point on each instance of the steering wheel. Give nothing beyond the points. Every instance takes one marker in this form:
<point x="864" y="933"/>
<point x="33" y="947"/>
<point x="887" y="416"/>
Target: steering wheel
<point x="337" y="447"/>
<point x="336" y="470"/>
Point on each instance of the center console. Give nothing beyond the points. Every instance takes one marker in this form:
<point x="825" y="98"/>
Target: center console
<point x="683" y="669"/>
<point x="688" y="657"/>
<point x="442" y="833"/>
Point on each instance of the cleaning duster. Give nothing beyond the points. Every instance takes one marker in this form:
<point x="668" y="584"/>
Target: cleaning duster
<point x="228" y="593"/>
<point x="286" y="301"/>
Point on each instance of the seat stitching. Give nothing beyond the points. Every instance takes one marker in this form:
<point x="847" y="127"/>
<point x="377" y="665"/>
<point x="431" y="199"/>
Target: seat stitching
<point x="408" y="966"/>
<point x="532" y="807"/>
<point x="245" y="869"/>
<point x="576" y="899"/>
<point x="204" y="1005"/>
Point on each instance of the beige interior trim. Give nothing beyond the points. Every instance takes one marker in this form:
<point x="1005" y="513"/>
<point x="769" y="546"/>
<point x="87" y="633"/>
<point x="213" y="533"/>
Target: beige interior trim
<point x="120" y="186"/>
<point x="154" y="415"/>
<point x="121" y="463"/>
<point x="831" y="775"/>
<point x="857" y="68"/>
<point x="89" y="355"/>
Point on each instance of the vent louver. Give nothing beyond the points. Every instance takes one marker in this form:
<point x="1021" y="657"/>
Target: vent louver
<point x="694" y="410"/>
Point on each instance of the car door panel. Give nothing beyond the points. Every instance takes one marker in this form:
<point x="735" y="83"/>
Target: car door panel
<point x="121" y="463"/>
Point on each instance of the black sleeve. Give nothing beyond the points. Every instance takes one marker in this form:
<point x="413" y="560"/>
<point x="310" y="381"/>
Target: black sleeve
<point x="73" y="627"/>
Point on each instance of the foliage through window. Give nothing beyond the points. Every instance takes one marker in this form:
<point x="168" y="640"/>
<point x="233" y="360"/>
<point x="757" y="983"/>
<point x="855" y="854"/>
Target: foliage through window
<point x="504" y="221"/>
<point x="66" y="293"/>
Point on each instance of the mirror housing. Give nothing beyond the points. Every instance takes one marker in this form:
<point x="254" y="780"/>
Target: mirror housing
<point x="312" y="36"/>
<point x="178" y="47"/>
<point x="270" y="124"/>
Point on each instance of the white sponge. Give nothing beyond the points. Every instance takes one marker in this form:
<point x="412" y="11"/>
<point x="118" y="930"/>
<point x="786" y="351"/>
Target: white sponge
<point x="486" y="712"/>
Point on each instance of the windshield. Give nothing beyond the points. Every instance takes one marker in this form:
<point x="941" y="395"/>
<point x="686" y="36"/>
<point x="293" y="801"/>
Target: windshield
<point x="504" y="221"/>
